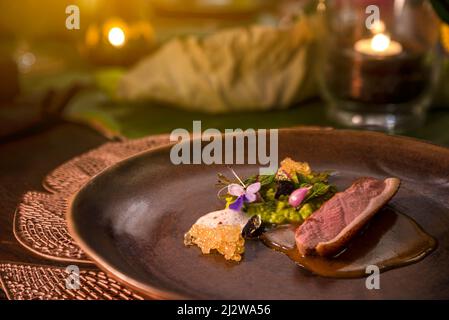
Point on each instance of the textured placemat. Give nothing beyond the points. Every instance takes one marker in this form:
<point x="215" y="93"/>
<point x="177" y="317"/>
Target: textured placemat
<point x="40" y="226"/>
<point x="37" y="282"/>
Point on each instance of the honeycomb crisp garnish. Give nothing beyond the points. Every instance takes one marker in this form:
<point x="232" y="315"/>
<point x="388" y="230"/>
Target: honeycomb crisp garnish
<point x="290" y="167"/>
<point x="226" y="239"/>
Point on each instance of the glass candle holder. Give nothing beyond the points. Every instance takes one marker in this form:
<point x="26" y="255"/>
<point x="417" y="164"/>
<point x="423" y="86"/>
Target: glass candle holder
<point x="380" y="62"/>
<point x="115" y="41"/>
<point x="116" y="32"/>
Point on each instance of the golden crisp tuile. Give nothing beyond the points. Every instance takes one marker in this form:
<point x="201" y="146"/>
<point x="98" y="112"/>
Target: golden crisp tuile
<point x="290" y="167"/>
<point x="226" y="239"/>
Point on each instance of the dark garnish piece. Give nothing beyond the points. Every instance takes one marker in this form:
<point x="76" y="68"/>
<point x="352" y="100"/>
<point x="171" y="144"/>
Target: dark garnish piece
<point x="284" y="187"/>
<point x="253" y="228"/>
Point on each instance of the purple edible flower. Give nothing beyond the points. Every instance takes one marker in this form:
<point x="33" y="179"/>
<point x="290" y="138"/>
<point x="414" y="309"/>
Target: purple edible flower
<point x="248" y="194"/>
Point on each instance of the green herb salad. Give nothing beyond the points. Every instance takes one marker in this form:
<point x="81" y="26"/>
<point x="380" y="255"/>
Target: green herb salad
<point x="290" y="195"/>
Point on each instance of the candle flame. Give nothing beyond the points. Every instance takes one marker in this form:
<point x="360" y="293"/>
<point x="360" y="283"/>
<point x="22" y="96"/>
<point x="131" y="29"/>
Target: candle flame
<point x="380" y="42"/>
<point x="116" y="36"/>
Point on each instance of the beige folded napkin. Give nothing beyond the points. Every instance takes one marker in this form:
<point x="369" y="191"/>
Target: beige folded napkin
<point x="255" y="68"/>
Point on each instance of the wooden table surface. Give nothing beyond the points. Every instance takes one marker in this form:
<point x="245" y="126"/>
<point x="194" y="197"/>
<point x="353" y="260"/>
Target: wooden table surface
<point x="23" y="165"/>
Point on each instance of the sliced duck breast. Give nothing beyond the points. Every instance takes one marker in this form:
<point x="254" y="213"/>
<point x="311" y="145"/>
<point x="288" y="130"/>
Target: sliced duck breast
<point x="329" y="229"/>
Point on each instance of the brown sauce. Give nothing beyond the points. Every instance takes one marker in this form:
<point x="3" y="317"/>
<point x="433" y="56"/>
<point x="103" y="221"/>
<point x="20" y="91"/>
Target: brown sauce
<point x="390" y="240"/>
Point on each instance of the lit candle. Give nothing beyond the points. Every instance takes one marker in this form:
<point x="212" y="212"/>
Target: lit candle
<point x="116" y="37"/>
<point x="118" y="42"/>
<point x="379" y="45"/>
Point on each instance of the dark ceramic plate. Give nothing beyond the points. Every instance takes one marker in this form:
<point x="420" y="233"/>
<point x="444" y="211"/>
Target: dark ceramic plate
<point x="131" y="220"/>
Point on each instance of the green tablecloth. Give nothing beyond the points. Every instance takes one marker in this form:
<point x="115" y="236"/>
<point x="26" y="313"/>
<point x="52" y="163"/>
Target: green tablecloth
<point x="133" y="120"/>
